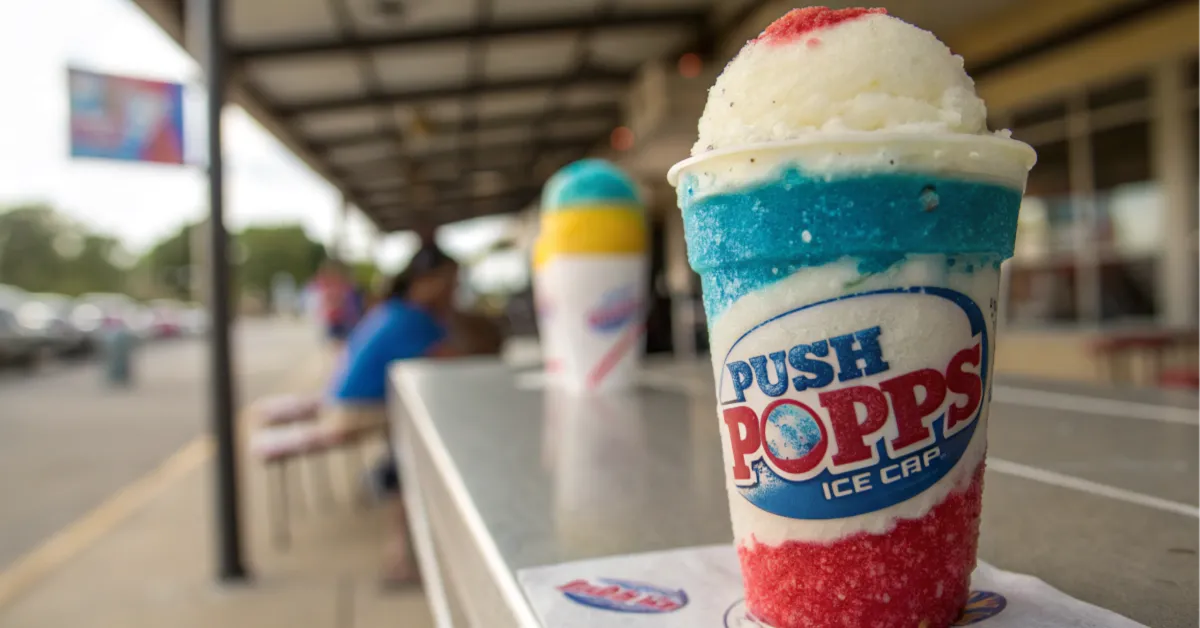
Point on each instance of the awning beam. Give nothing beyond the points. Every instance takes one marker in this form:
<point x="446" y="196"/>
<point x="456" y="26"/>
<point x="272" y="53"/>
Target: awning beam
<point x="446" y="213"/>
<point x="325" y="45"/>
<point x="606" y="112"/>
<point x="456" y="153"/>
<point x="590" y="75"/>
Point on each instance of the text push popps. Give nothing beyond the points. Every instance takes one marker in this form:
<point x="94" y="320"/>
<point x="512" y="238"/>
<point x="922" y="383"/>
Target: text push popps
<point x="832" y="424"/>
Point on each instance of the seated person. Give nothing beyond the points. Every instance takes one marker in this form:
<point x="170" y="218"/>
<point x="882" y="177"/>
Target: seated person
<point x="410" y="323"/>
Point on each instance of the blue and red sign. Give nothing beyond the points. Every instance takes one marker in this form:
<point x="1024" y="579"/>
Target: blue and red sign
<point x="624" y="596"/>
<point x="843" y="424"/>
<point x="616" y="309"/>
<point x="116" y="117"/>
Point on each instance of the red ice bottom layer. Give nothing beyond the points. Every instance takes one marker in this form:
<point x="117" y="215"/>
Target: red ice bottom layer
<point x="915" y="576"/>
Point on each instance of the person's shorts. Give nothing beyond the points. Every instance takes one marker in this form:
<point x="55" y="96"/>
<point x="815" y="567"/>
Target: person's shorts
<point x="348" y="418"/>
<point x="337" y="331"/>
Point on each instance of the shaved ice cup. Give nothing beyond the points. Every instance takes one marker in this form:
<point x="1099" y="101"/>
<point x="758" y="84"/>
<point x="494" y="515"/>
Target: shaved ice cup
<point x="850" y="282"/>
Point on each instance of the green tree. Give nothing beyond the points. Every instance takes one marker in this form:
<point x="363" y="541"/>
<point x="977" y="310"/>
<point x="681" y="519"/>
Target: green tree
<point x="43" y="251"/>
<point x="264" y="252"/>
<point x="93" y="270"/>
<point x="169" y="262"/>
<point x="365" y="274"/>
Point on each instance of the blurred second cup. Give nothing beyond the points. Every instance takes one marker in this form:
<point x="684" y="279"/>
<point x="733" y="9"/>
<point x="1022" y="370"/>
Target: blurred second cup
<point x="590" y="270"/>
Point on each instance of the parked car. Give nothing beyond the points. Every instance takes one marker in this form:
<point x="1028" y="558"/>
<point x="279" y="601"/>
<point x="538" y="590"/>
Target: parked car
<point x="49" y="316"/>
<point x="194" y="320"/>
<point x="141" y="322"/>
<point x="105" y="310"/>
<point x="166" y="318"/>
<point x="18" y="346"/>
<point x="11" y="297"/>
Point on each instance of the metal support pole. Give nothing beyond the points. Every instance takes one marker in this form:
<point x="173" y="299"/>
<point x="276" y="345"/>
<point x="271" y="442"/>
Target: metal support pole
<point x="1082" y="177"/>
<point x="337" y="249"/>
<point x="229" y="540"/>
<point x="1175" y="170"/>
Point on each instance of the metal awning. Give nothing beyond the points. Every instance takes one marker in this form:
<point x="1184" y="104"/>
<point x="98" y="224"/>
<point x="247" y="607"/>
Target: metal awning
<point x="432" y="111"/>
<point x="424" y="112"/>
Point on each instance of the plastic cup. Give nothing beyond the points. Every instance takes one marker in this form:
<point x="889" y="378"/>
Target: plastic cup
<point x="850" y="283"/>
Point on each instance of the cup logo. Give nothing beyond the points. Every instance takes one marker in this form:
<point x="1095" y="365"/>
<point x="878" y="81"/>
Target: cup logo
<point x="543" y="307"/>
<point x="624" y="596"/>
<point x="852" y="422"/>
<point x="616" y="309"/>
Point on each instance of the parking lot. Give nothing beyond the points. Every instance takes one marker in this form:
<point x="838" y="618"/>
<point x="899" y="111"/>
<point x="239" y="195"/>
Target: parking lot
<point x="69" y="440"/>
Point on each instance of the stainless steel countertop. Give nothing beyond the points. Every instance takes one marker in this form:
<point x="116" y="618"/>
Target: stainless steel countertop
<point x="1094" y="491"/>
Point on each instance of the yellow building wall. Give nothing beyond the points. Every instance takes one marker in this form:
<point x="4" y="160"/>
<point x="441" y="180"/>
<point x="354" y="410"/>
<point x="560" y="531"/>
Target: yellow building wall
<point x="1056" y="354"/>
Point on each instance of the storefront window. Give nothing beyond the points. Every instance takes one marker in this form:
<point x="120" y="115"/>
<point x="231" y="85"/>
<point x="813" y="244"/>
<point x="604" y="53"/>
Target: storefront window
<point x="1131" y="89"/>
<point x="1041" y="282"/>
<point x="1129" y="217"/>
<point x="1043" y="293"/>
<point x="1091" y="236"/>
<point x="1039" y="114"/>
<point x="1129" y="202"/>
<point x="1046" y="227"/>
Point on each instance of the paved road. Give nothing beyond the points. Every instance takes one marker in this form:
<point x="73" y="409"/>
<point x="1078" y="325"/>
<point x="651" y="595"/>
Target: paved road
<point x="67" y="443"/>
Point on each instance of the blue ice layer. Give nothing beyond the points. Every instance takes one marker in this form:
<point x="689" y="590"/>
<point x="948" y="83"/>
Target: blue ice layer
<point x="589" y="182"/>
<point x="744" y="240"/>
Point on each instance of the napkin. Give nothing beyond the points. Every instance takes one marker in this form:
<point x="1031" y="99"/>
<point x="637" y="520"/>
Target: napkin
<point x="701" y="586"/>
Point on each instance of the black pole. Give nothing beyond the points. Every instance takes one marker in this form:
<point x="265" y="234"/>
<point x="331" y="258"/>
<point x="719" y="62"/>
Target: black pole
<point x="228" y="521"/>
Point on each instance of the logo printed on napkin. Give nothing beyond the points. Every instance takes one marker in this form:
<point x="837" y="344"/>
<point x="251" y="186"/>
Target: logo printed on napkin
<point x="981" y="605"/>
<point x="624" y="596"/>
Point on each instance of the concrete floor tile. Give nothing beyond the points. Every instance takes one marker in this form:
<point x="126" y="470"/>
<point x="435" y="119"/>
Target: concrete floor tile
<point x="377" y="608"/>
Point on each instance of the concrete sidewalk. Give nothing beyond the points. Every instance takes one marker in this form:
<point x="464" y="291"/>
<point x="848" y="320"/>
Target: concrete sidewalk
<point x="153" y="564"/>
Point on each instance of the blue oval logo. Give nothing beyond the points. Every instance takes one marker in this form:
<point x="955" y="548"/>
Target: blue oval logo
<point x="981" y="605"/>
<point x="624" y="596"/>
<point x="616" y="309"/>
<point x="842" y="424"/>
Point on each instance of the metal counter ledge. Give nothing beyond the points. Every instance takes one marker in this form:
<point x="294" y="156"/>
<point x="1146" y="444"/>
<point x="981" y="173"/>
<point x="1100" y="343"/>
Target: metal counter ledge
<point x="1094" y="491"/>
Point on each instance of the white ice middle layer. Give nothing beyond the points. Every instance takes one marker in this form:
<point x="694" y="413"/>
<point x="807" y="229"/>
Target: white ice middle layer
<point x="911" y="340"/>
<point x="985" y="158"/>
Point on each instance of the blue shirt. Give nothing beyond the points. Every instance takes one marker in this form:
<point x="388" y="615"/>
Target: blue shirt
<point x="393" y="330"/>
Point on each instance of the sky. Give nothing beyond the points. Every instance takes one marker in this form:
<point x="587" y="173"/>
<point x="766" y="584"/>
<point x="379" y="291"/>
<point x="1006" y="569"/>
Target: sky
<point x="142" y="203"/>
